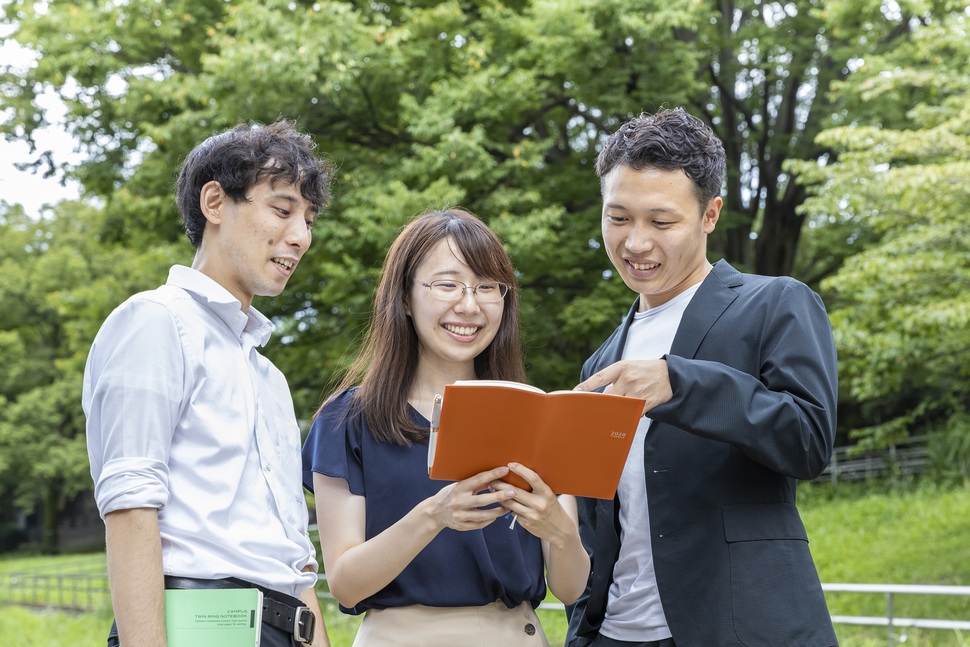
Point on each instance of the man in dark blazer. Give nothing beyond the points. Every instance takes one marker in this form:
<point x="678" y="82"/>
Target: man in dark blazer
<point x="703" y="546"/>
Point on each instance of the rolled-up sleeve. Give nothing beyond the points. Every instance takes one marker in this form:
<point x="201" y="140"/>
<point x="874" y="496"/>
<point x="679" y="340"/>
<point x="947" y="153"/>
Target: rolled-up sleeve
<point x="132" y="397"/>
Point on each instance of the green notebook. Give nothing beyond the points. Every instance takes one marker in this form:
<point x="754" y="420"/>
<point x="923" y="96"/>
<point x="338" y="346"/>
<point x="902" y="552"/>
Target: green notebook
<point x="213" y="617"/>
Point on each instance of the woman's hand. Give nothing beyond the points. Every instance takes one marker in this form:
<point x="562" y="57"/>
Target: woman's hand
<point x="538" y="511"/>
<point x="358" y="567"/>
<point x="460" y="505"/>
<point x="555" y="521"/>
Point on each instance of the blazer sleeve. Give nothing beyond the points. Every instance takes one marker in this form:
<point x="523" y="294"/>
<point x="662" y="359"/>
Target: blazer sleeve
<point x="765" y="380"/>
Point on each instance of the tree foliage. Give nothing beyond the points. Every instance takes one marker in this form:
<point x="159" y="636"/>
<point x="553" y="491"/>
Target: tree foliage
<point x="498" y="107"/>
<point x="900" y="309"/>
<point x="56" y="285"/>
<point x="495" y="106"/>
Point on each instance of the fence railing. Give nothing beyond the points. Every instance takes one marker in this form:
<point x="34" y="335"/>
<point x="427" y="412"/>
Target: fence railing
<point x="83" y="588"/>
<point x="87" y="589"/>
<point x="902" y="459"/>
<point x="890" y="621"/>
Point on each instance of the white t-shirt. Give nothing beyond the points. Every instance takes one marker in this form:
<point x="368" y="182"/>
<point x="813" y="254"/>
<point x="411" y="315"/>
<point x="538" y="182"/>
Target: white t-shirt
<point x="184" y="415"/>
<point x="634" y="611"/>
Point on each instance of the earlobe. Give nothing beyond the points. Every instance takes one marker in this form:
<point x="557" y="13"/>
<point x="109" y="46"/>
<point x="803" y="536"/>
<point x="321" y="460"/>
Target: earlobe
<point x="210" y="200"/>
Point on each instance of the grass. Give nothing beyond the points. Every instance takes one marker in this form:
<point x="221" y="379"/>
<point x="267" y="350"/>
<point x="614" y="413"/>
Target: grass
<point x="858" y="534"/>
<point x="21" y="627"/>
<point x="25" y="619"/>
<point x="918" y="536"/>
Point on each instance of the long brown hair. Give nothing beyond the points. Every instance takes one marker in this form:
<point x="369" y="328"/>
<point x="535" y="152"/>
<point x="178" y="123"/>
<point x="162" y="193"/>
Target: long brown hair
<point x="387" y="362"/>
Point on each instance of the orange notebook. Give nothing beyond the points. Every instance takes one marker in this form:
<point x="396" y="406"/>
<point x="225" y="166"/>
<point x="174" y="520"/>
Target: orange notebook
<point x="576" y="441"/>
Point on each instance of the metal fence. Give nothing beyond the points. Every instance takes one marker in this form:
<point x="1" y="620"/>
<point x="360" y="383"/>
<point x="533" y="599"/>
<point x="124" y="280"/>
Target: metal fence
<point x="82" y="588"/>
<point x="890" y="621"/>
<point x="85" y="588"/>
<point x="903" y="459"/>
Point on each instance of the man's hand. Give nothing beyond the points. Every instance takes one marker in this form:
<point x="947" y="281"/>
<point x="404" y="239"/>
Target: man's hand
<point x="647" y="379"/>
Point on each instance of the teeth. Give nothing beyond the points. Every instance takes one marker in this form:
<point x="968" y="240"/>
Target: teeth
<point x="643" y="266"/>
<point x="464" y="331"/>
<point x="287" y="264"/>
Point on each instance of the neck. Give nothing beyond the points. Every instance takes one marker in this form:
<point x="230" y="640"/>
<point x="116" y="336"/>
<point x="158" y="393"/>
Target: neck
<point x="204" y="263"/>
<point x="431" y="381"/>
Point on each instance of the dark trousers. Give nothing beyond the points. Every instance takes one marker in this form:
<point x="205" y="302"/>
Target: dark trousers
<point x="268" y="637"/>
<point x="606" y="641"/>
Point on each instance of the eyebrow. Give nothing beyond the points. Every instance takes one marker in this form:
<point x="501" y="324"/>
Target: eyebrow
<point x="453" y="272"/>
<point x="447" y="271"/>
<point x="283" y="195"/>
<point x="614" y="205"/>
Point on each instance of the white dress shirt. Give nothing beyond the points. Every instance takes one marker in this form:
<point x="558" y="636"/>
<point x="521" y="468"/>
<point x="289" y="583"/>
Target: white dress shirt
<point x="184" y="415"/>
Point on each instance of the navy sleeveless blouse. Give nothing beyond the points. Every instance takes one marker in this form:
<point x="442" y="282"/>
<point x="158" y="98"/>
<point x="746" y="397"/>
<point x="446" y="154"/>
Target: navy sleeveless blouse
<point x="469" y="568"/>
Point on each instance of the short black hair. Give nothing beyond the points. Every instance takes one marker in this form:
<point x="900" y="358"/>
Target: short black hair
<point x="244" y="156"/>
<point x="669" y="140"/>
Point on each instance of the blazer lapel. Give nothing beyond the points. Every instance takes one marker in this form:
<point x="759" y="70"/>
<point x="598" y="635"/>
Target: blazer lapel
<point x="615" y="353"/>
<point x="713" y="297"/>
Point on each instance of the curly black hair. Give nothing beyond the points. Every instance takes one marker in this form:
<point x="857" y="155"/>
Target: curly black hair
<point x="244" y="156"/>
<point x="669" y="140"/>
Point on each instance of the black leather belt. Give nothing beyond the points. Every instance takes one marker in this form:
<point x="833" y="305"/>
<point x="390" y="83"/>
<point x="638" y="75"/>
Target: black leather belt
<point x="279" y="610"/>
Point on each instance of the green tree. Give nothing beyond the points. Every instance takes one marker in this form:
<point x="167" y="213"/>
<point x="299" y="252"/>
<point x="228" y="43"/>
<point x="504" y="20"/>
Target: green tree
<point x="495" y="106"/>
<point x="766" y="69"/>
<point x="498" y="107"/>
<point x="900" y="308"/>
<point x="41" y="427"/>
<point x="57" y="283"/>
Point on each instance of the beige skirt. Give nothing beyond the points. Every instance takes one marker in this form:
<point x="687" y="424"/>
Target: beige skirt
<point x="419" y="626"/>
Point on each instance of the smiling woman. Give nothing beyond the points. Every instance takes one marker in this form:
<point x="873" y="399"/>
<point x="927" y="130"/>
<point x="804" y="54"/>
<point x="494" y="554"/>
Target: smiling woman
<point x="446" y="309"/>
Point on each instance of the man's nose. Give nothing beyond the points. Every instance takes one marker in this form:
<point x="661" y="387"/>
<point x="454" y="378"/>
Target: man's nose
<point x="640" y="240"/>
<point x="298" y="234"/>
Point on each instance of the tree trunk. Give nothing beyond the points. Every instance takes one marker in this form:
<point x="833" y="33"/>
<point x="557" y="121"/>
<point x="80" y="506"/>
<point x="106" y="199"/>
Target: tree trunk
<point x="50" y="538"/>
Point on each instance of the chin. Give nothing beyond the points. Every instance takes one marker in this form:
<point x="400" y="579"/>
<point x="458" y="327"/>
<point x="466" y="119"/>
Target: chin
<point x="272" y="290"/>
<point x="632" y="283"/>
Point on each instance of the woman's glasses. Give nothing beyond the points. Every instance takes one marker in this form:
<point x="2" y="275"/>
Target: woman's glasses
<point x="448" y="290"/>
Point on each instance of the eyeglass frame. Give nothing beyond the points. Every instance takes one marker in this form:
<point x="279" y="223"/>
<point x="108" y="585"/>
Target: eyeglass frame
<point x="464" y="287"/>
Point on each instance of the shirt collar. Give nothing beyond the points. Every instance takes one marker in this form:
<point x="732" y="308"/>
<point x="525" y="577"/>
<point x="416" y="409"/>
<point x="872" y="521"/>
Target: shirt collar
<point x="221" y="302"/>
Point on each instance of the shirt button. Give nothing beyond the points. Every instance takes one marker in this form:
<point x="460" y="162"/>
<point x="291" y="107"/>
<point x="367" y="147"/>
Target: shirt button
<point x="530" y="629"/>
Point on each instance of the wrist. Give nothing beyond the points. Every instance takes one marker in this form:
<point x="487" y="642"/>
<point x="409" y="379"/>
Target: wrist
<point x="428" y="518"/>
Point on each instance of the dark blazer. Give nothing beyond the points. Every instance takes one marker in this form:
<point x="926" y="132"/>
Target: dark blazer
<point x="754" y="378"/>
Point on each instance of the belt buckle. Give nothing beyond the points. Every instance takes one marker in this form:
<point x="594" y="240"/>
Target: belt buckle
<point x="303" y="625"/>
